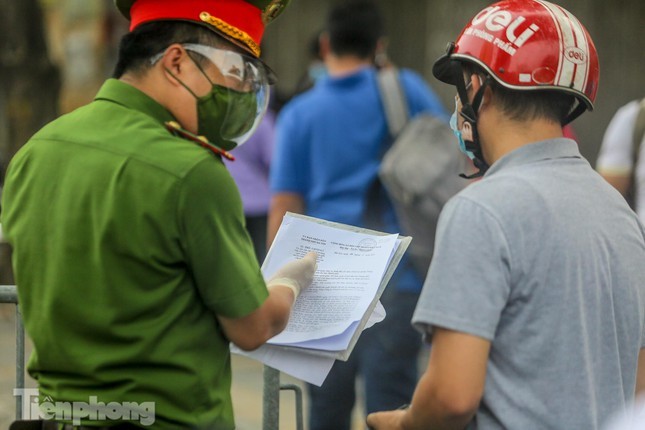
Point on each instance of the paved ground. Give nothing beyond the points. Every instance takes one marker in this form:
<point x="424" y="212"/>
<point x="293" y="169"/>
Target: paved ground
<point x="247" y="385"/>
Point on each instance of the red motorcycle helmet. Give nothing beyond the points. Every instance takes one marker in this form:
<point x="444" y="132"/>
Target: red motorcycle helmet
<point x="527" y="45"/>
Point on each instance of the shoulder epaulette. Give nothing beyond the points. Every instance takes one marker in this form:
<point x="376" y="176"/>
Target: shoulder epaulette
<point x="174" y="128"/>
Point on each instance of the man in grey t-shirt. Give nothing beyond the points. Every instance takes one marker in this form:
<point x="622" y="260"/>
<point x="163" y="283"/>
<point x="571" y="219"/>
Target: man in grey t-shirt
<point x="535" y="299"/>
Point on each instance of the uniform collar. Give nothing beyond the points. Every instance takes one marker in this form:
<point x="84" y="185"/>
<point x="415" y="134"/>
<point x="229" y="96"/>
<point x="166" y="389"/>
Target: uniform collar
<point x="126" y="95"/>
<point x="537" y="151"/>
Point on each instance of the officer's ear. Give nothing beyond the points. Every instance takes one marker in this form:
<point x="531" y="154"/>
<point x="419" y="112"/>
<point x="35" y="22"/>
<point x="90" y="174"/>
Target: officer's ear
<point x="173" y="62"/>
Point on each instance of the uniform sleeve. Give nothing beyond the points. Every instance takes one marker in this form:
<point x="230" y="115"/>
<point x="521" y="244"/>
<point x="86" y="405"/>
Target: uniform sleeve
<point x="218" y="249"/>
<point x="468" y="283"/>
<point x="615" y="156"/>
<point x="289" y="164"/>
<point x="420" y="97"/>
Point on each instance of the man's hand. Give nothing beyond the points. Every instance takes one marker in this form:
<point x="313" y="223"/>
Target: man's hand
<point x="449" y="392"/>
<point x="296" y="275"/>
<point x="253" y="330"/>
<point x="390" y="420"/>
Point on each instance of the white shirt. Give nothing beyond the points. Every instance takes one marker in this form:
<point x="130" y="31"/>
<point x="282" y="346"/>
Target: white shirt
<point x="615" y="157"/>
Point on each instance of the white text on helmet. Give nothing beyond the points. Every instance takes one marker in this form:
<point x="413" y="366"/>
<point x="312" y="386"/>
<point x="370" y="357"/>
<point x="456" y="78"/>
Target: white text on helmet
<point x="496" y="20"/>
<point x="575" y="55"/>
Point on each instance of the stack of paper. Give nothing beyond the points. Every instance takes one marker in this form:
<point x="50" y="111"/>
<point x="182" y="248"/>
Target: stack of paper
<point x="354" y="266"/>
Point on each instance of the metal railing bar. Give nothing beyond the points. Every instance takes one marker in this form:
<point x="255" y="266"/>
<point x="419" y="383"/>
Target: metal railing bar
<point x="271" y="399"/>
<point x="9" y="294"/>
<point x="297" y="391"/>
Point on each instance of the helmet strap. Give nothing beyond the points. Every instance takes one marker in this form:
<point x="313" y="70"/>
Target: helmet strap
<point x="575" y="112"/>
<point x="469" y="113"/>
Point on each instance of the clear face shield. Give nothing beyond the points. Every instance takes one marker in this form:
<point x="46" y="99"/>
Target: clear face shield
<point x="231" y="112"/>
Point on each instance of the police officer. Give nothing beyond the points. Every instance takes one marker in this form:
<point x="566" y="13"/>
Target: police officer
<point x="133" y="266"/>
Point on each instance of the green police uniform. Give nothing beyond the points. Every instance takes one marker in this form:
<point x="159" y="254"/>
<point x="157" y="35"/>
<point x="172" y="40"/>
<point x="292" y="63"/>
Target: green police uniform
<point x="127" y="242"/>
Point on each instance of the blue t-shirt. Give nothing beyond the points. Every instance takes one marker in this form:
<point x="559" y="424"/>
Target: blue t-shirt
<point x="329" y="143"/>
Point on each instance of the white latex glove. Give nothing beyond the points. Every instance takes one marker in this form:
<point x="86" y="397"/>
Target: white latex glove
<point x="296" y="275"/>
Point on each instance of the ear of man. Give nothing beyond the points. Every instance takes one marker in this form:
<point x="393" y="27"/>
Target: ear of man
<point x="173" y="64"/>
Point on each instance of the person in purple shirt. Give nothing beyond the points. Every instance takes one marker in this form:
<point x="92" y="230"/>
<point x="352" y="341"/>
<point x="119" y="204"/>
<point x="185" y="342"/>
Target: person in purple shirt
<point x="250" y="170"/>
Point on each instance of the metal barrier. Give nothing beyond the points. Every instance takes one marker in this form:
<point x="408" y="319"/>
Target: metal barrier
<point x="270" y="393"/>
<point x="8" y="294"/>
<point x="297" y="391"/>
<point x="271" y="400"/>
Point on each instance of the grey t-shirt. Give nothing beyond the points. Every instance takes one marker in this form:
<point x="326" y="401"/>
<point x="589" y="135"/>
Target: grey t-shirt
<point x="545" y="260"/>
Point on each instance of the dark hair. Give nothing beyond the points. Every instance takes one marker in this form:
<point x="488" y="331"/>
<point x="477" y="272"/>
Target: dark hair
<point x="523" y="105"/>
<point x="533" y="104"/>
<point x="138" y="47"/>
<point x="313" y="46"/>
<point x="354" y="28"/>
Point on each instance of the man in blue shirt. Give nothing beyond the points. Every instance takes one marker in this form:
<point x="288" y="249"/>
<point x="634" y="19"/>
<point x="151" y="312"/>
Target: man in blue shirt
<point x="328" y="150"/>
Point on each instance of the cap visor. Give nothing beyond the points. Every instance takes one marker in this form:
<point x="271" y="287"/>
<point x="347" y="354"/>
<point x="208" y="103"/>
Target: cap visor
<point x="446" y="70"/>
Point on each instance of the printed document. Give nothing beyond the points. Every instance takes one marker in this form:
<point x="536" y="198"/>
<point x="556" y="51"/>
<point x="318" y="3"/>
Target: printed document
<point x="354" y="266"/>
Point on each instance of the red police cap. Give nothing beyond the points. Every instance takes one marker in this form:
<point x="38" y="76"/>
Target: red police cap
<point x="240" y="21"/>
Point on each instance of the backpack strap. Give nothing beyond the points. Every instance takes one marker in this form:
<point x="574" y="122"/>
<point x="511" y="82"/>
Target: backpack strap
<point x="394" y="100"/>
<point x="637" y="137"/>
<point x="639" y="131"/>
<point x="395" y="106"/>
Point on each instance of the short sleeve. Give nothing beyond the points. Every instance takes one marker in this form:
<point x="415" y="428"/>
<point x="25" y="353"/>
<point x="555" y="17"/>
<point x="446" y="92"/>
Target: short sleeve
<point x="289" y="164"/>
<point x="468" y="283"/>
<point x="641" y="225"/>
<point x="615" y="156"/>
<point x="219" y="250"/>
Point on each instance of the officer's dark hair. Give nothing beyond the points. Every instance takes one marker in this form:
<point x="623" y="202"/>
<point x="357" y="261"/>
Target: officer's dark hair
<point x="354" y="28"/>
<point x="141" y="45"/>
<point x="526" y="105"/>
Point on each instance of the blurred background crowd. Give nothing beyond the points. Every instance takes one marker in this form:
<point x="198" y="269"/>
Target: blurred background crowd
<point x="54" y="54"/>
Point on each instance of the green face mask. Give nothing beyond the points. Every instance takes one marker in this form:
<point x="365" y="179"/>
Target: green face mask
<point x="225" y="114"/>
